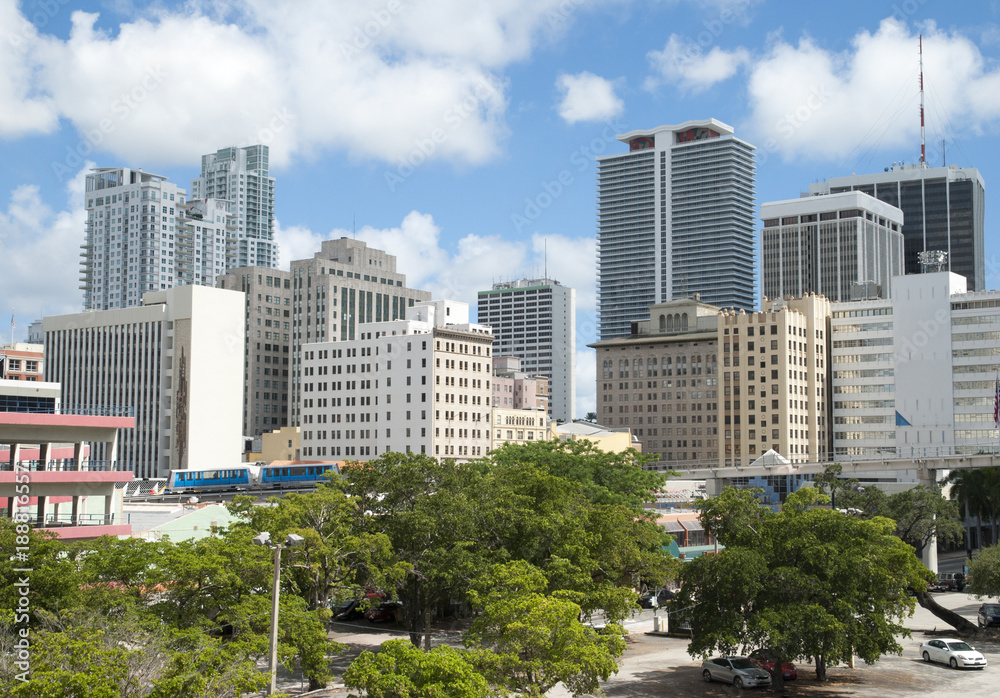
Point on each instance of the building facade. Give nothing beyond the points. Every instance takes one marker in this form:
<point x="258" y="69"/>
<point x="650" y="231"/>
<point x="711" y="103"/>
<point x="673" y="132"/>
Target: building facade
<point x="240" y="176"/>
<point x="518" y="426"/>
<point x="176" y="362"/>
<point x="143" y="235"/>
<point x="22" y="361"/>
<point x="943" y="209"/>
<point x="267" y="351"/>
<point x="535" y="320"/>
<point x="662" y="382"/>
<point x="419" y="384"/>
<point x="775" y="381"/>
<point x="916" y="374"/>
<point x="834" y="245"/>
<point x="675" y="218"/>
<point x="513" y="389"/>
<point x="342" y="286"/>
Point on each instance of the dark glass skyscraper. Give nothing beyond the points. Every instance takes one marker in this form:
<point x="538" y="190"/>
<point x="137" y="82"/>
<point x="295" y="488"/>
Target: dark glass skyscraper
<point x="943" y="209"/>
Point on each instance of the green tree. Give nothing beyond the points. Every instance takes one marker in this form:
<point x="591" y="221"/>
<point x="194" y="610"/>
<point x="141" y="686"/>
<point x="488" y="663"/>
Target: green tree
<point x="984" y="572"/>
<point x="807" y="581"/>
<point x="400" y="669"/>
<point x="533" y="640"/>
<point x="334" y="555"/>
<point x="978" y="492"/>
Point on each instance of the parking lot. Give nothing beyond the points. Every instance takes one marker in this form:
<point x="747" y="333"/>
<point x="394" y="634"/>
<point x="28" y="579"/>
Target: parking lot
<point x="660" y="666"/>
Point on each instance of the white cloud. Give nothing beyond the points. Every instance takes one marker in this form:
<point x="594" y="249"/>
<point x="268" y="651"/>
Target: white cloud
<point x="588" y="97"/>
<point x="807" y="101"/>
<point x="685" y="64"/>
<point x="375" y="78"/>
<point x="34" y="238"/>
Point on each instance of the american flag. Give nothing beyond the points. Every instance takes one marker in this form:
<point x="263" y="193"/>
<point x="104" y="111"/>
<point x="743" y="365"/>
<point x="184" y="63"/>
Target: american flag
<point x="996" y="403"/>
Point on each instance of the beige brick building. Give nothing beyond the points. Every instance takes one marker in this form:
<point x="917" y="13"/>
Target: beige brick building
<point x="662" y="382"/>
<point x="775" y="381"/>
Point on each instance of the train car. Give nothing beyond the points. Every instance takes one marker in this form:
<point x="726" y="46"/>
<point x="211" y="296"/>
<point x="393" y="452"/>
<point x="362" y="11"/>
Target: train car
<point x="237" y="477"/>
<point x="292" y="474"/>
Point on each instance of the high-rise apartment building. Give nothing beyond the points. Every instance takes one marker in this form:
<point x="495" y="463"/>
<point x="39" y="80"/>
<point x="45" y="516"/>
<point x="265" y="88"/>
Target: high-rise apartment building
<point x="343" y="285"/>
<point x="535" y="320"/>
<point x="241" y="177"/>
<point x="943" y="210"/>
<point x="175" y="361"/>
<point x="775" y="381"/>
<point x="419" y="384"/>
<point x="267" y="351"/>
<point x="662" y="382"/>
<point x="836" y="245"/>
<point x="675" y="218"/>
<point x="143" y="235"/>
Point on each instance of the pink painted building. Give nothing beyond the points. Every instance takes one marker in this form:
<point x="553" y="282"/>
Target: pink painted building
<point x="46" y="474"/>
<point x="517" y="390"/>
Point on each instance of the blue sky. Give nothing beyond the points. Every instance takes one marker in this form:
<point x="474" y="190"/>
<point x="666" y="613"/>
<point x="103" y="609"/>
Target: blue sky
<point x="460" y="135"/>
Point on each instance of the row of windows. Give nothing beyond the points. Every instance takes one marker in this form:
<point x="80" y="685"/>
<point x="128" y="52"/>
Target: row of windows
<point x="854" y="435"/>
<point x="867" y="312"/>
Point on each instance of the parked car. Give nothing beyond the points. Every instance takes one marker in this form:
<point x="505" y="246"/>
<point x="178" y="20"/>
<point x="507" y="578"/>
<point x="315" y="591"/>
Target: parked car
<point x="954" y="581"/>
<point x="989" y="615"/>
<point x="937" y="585"/>
<point x="951" y="651"/>
<point x="385" y="612"/>
<point x="739" y="671"/>
<point x="347" y="610"/>
<point x="661" y="596"/>
<point x="763" y="659"/>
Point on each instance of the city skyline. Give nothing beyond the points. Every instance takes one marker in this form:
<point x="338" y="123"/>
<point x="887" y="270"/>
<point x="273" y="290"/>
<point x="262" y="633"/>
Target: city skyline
<point x="463" y="138"/>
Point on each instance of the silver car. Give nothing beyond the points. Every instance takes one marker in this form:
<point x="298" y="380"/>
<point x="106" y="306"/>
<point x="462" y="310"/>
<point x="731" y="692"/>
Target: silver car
<point x="738" y="671"/>
<point x="951" y="651"/>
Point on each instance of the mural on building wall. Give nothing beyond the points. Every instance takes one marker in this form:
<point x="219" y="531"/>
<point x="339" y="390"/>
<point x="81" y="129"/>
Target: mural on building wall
<point x="181" y="412"/>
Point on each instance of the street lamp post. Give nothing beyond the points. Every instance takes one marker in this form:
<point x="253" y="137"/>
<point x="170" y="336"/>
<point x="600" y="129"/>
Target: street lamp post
<point x="264" y="539"/>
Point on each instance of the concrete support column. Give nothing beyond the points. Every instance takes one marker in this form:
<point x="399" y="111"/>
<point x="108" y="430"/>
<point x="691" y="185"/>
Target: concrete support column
<point x="78" y="456"/>
<point x="15" y="455"/>
<point x="42" y="509"/>
<point x="109" y="506"/>
<point x="713" y="486"/>
<point x="928" y="476"/>
<point x="45" y="454"/>
<point x="111" y="449"/>
<point x="76" y="510"/>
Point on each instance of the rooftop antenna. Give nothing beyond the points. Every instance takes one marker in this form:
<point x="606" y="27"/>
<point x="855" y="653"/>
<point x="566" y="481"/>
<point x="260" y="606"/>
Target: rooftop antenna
<point x="354" y="226"/>
<point x="545" y="256"/>
<point x="923" y="159"/>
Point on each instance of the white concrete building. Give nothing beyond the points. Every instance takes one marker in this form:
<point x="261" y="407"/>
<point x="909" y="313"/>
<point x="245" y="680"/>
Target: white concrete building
<point x="535" y="320"/>
<point x="675" y="218"/>
<point x="916" y="375"/>
<point x="421" y="385"/>
<point x="143" y="235"/>
<point x="518" y="426"/>
<point x="830" y="245"/>
<point x="177" y="361"/>
<point x="241" y="177"/>
<point x="343" y="285"/>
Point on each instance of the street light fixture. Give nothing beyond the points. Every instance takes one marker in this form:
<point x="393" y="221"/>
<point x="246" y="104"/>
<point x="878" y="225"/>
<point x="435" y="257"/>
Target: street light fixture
<point x="264" y="539"/>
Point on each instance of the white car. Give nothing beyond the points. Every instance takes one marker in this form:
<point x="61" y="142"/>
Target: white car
<point x="739" y="671"/>
<point x="954" y="652"/>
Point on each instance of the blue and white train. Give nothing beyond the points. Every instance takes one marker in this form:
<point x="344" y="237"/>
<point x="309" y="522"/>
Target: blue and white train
<point x="248" y="476"/>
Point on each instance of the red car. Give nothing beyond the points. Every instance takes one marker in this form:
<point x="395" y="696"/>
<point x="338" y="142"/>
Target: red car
<point x="761" y="658"/>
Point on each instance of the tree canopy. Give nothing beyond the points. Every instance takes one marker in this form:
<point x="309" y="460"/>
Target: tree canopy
<point x="805" y="582"/>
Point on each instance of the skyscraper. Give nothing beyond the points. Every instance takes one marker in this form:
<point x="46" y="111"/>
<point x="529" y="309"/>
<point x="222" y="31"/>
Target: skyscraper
<point x="943" y="209"/>
<point x="344" y="284"/>
<point x="240" y="176"/>
<point x="675" y="217"/>
<point x="535" y="320"/>
<point x="142" y="235"/>
<point x="837" y="245"/>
